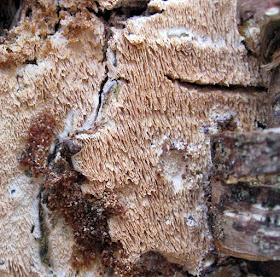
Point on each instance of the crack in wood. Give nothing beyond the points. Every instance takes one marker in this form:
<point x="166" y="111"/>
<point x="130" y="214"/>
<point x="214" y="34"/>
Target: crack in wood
<point x="206" y="87"/>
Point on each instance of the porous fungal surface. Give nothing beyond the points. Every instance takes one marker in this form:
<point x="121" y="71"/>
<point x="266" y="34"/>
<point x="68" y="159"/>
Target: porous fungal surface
<point x="107" y="108"/>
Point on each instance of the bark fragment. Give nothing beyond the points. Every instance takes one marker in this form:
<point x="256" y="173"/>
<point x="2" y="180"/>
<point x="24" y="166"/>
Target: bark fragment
<point x="270" y="53"/>
<point x="246" y="193"/>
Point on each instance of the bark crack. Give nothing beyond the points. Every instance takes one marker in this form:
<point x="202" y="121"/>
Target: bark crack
<point x="99" y="106"/>
<point x="111" y="18"/>
<point x="56" y="26"/>
<point x="44" y="238"/>
<point x="206" y="87"/>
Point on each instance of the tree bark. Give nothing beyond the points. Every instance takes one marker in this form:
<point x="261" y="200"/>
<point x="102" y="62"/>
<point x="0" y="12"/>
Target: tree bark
<point x="245" y="194"/>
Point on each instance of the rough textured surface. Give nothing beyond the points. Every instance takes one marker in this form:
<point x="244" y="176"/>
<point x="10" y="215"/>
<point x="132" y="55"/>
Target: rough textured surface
<point x="142" y="97"/>
<point x="222" y="59"/>
<point x="113" y="4"/>
<point x="42" y="69"/>
<point x="144" y="176"/>
<point x="237" y="155"/>
<point x="270" y="53"/>
<point x="246" y="193"/>
<point x="150" y="126"/>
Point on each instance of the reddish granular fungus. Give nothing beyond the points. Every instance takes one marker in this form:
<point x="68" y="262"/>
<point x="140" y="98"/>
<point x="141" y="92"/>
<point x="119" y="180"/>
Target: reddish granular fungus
<point x="86" y="215"/>
<point x="41" y="135"/>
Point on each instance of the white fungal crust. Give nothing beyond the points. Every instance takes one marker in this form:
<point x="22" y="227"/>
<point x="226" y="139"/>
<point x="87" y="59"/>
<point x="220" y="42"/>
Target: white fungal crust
<point x="155" y="115"/>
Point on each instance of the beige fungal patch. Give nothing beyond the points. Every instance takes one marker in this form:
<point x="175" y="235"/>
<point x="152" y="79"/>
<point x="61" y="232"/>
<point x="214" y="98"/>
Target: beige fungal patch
<point x="152" y="107"/>
<point x="122" y="158"/>
<point x="58" y="65"/>
<point x="41" y="71"/>
<point x="222" y="57"/>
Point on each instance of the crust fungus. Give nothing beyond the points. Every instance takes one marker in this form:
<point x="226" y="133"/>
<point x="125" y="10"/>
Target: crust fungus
<point x="121" y="159"/>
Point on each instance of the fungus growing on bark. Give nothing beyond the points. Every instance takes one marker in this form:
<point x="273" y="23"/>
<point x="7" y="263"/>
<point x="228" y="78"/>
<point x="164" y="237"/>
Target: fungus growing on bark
<point x="177" y="73"/>
<point x="40" y="137"/>
<point x="86" y="215"/>
<point x="62" y="194"/>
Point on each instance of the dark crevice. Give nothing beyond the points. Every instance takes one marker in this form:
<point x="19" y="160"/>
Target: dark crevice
<point x="57" y="25"/>
<point x="28" y="12"/>
<point x="34" y="61"/>
<point x="123" y="80"/>
<point x="32" y="229"/>
<point x="249" y="51"/>
<point x="18" y="82"/>
<point x="8" y="14"/>
<point x="261" y="125"/>
<point x="154" y="264"/>
<point x="117" y="17"/>
<point x="103" y="14"/>
<point x="112" y="88"/>
<point x="43" y="240"/>
<point x="206" y="87"/>
<point x="100" y="96"/>
<point x="108" y="35"/>
<point x="110" y="18"/>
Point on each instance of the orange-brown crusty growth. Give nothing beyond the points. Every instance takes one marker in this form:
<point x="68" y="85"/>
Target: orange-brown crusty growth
<point x="142" y="95"/>
<point x="87" y="217"/>
<point x="41" y="135"/>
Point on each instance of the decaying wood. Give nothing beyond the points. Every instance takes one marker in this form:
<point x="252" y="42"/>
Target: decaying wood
<point x="140" y="96"/>
<point x="270" y="53"/>
<point x="274" y="90"/>
<point x="246" y="194"/>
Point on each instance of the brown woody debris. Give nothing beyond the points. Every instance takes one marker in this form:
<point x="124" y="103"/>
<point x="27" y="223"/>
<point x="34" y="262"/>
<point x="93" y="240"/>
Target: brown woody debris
<point x="246" y="194"/>
<point x="246" y="154"/>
